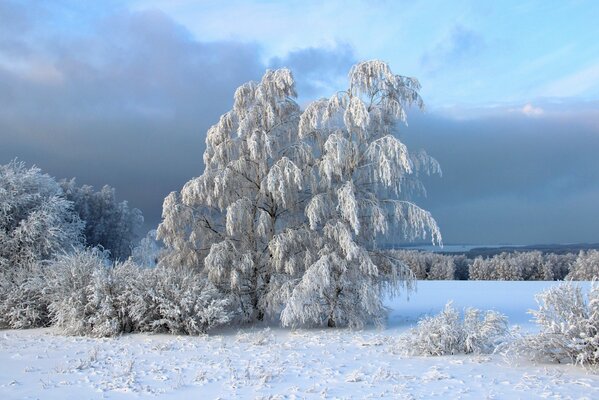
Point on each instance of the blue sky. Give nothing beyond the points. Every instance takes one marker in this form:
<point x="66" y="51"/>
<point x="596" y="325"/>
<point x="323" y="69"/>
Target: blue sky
<point x="467" y="53"/>
<point x="122" y="93"/>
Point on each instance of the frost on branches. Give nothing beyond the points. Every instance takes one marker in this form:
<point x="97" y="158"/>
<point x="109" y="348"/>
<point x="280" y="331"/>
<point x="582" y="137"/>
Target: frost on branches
<point x="35" y="223"/>
<point x="286" y="216"/>
<point x="568" y="321"/>
<point x="447" y="333"/>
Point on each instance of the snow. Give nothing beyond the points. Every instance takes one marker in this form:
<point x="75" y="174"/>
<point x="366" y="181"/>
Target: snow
<point x="269" y="362"/>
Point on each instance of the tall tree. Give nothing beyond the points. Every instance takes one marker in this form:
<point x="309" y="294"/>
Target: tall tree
<point x="287" y="212"/>
<point x="223" y="221"/>
<point x="361" y="178"/>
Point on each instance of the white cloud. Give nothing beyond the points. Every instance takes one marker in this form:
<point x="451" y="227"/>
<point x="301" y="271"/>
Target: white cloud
<point x="531" y="110"/>
<point x="578" y="83"/>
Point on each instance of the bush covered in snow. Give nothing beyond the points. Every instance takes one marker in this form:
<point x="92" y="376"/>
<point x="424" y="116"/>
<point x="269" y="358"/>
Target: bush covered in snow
<point x="569" y="326"/>
<point x="176" y="300"/>
<point x="586" y="266"/>
<point x="447" y="333"/>
<point x="90" y="295"/>
<point x="23" y="303"/>
<point x="86" y="293"/>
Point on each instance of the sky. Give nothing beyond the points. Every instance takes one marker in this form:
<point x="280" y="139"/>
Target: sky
<point x="122" y="93"/>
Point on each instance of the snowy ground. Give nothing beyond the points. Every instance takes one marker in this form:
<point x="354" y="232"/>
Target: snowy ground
<point x="265" y="362"/>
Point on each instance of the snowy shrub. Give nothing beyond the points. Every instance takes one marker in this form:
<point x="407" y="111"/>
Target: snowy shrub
<point x="586" y="266"/>
<point x="569" y="326"/>
<point x="90" y="295"/>
<point x="23" y="303"/>
<point x="447" y="333"/>
<point x="86" y="293"/>
<point x="176" y="300"/>
<point x="109" y="224"/>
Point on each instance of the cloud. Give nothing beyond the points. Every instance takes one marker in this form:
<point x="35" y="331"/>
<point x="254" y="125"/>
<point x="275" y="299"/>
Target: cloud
<point x="512" y="179"/>
<point x="127" y="101"/>
<point x="531" y="111"/>
<point x="582" y="82"/>
<point x="126" y="104"/>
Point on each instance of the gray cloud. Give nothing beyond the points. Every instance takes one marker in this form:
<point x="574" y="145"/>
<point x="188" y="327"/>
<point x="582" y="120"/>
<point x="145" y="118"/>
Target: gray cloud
<point x="512" y="179"/>
<point x="125" y="101"/>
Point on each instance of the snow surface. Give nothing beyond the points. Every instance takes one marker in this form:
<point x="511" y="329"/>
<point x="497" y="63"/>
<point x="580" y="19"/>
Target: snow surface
<point x="263" y="362"/>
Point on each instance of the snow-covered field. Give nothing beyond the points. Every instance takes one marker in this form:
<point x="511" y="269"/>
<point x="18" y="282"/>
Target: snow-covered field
<point x="263" y="362"/>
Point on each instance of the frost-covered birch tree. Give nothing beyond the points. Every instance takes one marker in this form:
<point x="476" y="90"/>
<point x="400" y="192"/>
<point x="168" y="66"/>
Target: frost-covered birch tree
<point x="286" y="216"/>
<point x="361" y="177"/>
<point x="222" y="221"/>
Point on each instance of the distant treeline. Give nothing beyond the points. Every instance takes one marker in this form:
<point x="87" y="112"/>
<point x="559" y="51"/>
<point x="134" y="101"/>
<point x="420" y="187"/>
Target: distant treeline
<point x="506" y="266"/>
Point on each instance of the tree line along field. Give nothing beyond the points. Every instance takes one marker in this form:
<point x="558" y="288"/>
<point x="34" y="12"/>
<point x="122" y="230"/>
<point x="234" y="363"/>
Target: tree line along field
<point x="517" y="265"/>
<point x="281" y="229"/>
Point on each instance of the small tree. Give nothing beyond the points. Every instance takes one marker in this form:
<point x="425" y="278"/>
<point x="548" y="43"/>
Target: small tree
<point x="147" y="252"/>
<point x="36" y="221"/>
<point x="108" y="223"/>
<point x="586" y="266"/>
<point x="287" y="212"/>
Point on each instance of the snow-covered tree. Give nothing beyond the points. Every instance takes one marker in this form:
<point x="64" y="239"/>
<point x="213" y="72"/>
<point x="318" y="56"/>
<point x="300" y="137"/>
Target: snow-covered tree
<point x="108" y="223"/>
<point x="361" y="178"/>
<point x="36" y="221"/>
<point x="586" y="266"/>
<point x="528" y="265"/>
<point x="147" y="252"/>
<point x="427" y="265"/>
<point x="556" y="266"/>
<point x="288" y="210"/>
<point x="223" y="221"/>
